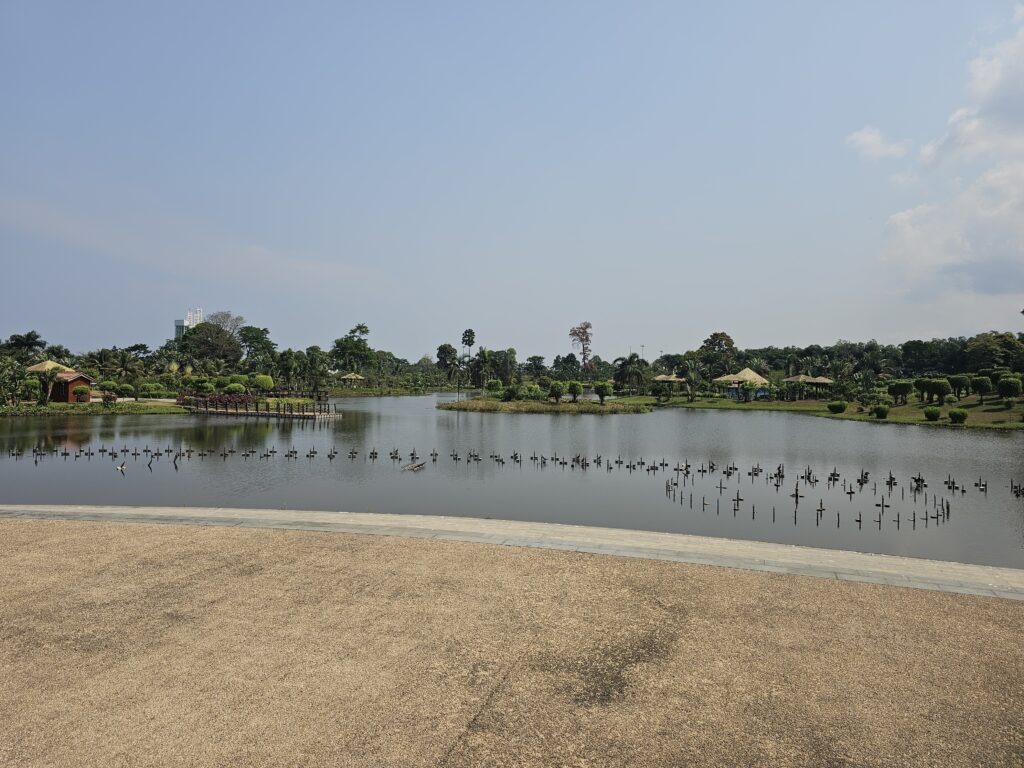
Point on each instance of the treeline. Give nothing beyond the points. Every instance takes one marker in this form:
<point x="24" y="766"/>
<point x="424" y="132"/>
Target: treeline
<point x="227" y="352"/>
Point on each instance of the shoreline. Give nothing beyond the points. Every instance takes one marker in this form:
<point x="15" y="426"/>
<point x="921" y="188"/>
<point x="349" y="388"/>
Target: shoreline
<point x="742" y="554"/>
<point x="489" y="405"/>
<point x="819" y="408"/>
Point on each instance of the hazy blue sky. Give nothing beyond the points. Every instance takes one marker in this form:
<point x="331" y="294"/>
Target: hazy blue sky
<point x="788" y="172"/>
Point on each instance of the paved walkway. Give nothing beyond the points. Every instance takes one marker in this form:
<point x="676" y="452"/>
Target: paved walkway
<point x="732" y="553"/>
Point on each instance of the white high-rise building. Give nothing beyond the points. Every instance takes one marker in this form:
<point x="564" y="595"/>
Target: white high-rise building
<point x="192" y="318"/>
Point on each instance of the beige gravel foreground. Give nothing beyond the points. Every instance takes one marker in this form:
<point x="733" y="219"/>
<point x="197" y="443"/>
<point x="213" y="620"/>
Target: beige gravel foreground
<point x="139" y="645"/>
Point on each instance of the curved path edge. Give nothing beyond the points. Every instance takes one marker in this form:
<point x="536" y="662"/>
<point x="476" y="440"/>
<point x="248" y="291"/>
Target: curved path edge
<point x="844" y="565"/>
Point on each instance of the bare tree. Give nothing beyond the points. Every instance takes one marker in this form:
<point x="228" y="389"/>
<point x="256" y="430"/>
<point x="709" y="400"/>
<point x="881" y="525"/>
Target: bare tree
<point x="229" y="322"/>
<point x="582" y="337"/>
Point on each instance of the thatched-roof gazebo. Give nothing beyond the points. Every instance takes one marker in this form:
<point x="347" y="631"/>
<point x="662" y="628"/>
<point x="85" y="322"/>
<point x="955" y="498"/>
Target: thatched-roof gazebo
<point x="46" y="365"/>
<point x="352" y="378"/>
<point x="743" y="377"/>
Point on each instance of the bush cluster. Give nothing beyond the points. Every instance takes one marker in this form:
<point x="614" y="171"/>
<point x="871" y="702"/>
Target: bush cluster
<point x="932" y="413"/>
<point x="838" y="406"/>
<point x="957" y="415"/>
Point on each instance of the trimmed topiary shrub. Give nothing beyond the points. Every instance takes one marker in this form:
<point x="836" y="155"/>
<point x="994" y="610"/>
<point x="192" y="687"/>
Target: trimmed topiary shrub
<point x="602" y="389"/>
<point x="556" y="390"/>
<point x="932" y="413"/>
<point x="238" y="378"/>
<point x="958" y="415"/>
<point x="880" y="411"/>
<point x="234" y="389"/>
<point x="81" y="393"/>
<point x="125" y="390"/>
<point x="108" y="386"/>
<point x="1008" y="387"/>
<point x="837" y="406"/>
<point x="494" y="385"/>
<point x="575" y="389"/>
<point x="263" y="382"/>
<point x="981" y="386"/>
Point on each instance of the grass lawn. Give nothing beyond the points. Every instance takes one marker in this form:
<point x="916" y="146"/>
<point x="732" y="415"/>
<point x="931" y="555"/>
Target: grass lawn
<point x="141" y="407"/>
<point x="493" y="405"/>
<point x="991" y="414"/>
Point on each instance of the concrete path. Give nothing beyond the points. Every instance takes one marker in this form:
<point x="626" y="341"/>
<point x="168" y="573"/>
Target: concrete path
<point x="732" y="553"/>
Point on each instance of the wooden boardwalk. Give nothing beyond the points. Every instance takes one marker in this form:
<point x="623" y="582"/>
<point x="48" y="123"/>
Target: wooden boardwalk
<point x="315" y="412"/>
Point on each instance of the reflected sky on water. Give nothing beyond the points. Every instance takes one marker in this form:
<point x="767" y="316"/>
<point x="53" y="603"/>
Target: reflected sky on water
<point x="980" y="528"/>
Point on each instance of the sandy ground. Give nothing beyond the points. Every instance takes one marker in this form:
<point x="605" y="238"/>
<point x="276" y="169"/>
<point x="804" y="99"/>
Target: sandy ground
<point x="140" y="645"/>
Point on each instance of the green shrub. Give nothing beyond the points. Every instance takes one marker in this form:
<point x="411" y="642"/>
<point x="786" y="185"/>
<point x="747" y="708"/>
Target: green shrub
<point x="205" y="388"/>
<point x="263" y="382"/>
<point x="532" y="392"/>
<point x="220" y="382"/>
<point x="81" y="393"/>
<point x="957" y="415"/>
<point x="602" y="389"/>
<point x="837" y="406"/>
<point x="32" y="389"/>
<point x="880" y="411"/>
<point x="899" y="390"/>
<point x="1008" y="388"/>
<point x="125" y="390"/>
<point x="932" y="413"/>
<point x="239" y="378"/>
<point x="555" y="390"/>
<point x="234" y="389"/>
<point x="575" y="389"/>
<point x="494" y="385"/>
<point x="108" y="386"/>
<point x="511" y="393"/>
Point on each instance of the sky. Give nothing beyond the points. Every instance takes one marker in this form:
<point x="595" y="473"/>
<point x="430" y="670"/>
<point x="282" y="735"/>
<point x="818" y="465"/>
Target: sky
<point x="790" y="172"/>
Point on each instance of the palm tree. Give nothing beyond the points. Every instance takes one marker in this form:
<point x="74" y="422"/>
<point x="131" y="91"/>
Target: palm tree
<point x="26" y="346"/>
<point x="128" y="368"/>
<point x="695" y="373"/>
<point x="47" y="379"/>
<point x="631" y="371"/>
<point x="759" y="365"/>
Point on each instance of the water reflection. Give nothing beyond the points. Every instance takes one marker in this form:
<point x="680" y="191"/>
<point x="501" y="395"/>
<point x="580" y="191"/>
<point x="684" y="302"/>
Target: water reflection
<point x="964" y="523"/>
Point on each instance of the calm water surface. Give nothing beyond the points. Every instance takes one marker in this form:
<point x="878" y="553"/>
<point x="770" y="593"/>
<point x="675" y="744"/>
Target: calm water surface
<point x="980" y="528"/>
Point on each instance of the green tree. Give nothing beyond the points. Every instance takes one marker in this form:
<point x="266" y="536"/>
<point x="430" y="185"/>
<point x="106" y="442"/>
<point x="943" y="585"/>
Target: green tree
<point x="575" y="389"/>
<point x="959" y="383"/>
<point x="535" y="366"/>
<point x="1009" y="387"/>
<point x="25" y="347"/>
<point x="447" y="356"/>
<point x="602" y="389"/>
<point x="208" y="341"/>
<point x="12" y="378"/>
<point x="47" y="379"/>
<point x="981" y="385"/>
<point x="631" y="371"/>
<point x="257" y="347"/>
<point x="900" y="390"/>
<point x="556" y="390"/>
<point x="468" y="340"/>
<point x="352" y="352"/>
<point x="127" y="368"/>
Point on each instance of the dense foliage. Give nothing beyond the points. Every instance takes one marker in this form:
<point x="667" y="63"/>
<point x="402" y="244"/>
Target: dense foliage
<point x="227" y="355"/>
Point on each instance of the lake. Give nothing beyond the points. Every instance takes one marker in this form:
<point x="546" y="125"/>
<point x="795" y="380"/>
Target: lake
<point x="972" y="526"/>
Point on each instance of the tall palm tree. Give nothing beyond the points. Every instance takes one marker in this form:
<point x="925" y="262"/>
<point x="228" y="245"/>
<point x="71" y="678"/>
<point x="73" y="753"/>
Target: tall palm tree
<point x="26" y="346"/>
<point x="631" y="370"/>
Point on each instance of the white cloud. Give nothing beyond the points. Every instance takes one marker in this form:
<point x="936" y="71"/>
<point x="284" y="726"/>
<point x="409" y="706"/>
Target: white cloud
<point x="973" y="241"/>
<point x="992" y="125"/>
<point x="870" y="143"/>
<point x="970" y="238"/>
